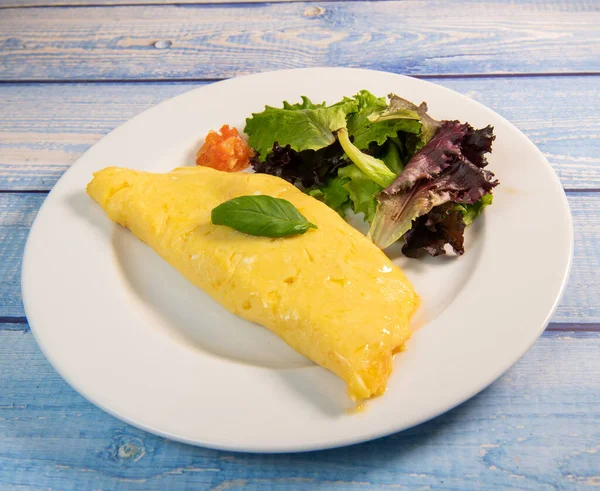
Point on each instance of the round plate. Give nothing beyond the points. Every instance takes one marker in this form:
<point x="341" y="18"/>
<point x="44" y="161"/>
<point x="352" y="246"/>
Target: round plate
<point x="132" y="336"/>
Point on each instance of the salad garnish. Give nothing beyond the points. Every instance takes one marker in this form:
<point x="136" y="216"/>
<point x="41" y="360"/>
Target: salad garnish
<point x="415" y="179"/>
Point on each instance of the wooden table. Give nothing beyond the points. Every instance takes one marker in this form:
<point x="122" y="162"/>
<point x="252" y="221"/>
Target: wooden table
<point x="72" y="70"/>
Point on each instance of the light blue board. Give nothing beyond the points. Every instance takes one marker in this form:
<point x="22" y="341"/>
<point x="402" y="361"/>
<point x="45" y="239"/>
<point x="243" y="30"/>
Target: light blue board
<point x="62" y="3"/>
<point x="46" y="127"/>
<point x="219" y="41"/>
<point x="536" y="428"/>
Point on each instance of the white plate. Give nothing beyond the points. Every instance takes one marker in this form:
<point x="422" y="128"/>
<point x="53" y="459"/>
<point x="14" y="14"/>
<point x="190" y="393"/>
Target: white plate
<point x="132" y="336"/>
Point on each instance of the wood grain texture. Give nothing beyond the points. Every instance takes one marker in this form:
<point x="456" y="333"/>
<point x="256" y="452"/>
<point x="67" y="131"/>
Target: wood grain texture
<point x="537" y="428"/>
<point x="579" y="305"/>
<point x="210" y="41"/>
<point x="17" y="212"/>
<point x="44" y="128"/>
<point x="106" y="3"/>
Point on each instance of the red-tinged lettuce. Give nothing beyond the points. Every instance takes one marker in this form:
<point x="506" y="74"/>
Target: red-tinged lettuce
<point x="476" y="144"/>
<point x="430" y="233"/>
<point x="443" y="225"/>
<point x="433" y="158"/>
<point x="439" y="173"/>
<point x="308" y="168"/>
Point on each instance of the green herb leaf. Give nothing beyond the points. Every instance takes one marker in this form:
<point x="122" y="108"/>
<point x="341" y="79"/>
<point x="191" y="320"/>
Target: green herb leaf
<point x="262" y="216"/>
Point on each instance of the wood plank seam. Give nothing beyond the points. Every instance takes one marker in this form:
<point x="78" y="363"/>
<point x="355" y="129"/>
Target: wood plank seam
<point x="535" y="428"/>
<point x="46" y="127"/>
<point x="24" y="191"/>
<point x="13" y="320"/>
<point x="155" y="4"/>
<point x="275" y="35"/>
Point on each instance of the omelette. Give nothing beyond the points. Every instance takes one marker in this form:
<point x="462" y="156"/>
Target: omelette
<point x="330" y="294"/>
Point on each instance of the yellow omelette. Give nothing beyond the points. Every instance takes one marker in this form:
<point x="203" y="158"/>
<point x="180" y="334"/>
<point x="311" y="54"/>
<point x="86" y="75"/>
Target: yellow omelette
<point x="330" y="294"/>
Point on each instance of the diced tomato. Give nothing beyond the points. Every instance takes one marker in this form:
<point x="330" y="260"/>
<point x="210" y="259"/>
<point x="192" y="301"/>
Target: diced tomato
<point x="225" y="150"/>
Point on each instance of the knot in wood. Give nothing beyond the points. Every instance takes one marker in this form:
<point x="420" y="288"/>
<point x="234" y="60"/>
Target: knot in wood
<point x="163" y="44"/>
<point x="314" y="11"/>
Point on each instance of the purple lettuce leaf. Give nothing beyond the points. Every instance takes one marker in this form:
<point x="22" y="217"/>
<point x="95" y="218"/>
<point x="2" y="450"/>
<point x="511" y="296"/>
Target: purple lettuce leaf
<point x="441" y="151"/>
<point x="430" y="233"/>
<point x="476" y="144"/>
<point x="308" y="168"/>
<point x="439" y="173"/>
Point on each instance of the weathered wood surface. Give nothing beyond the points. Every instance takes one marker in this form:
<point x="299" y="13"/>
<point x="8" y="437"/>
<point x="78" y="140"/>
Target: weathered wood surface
<point x="44" y="128"/>
<point x="17" y="212"/>
<point x="106" y="3"/>
<point x="536" y="428"/>
<point x="424" y="37"/>
<point x="579" y="306"/>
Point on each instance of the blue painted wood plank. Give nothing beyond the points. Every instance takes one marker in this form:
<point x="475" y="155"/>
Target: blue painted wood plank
<point x="579" y="305"/>
<point x="210" y="41"/>
<point x="46" y="127"/>
<point x="536" y="428"/>
<point x="107" y="3"/>
<point x="17" y="212"/>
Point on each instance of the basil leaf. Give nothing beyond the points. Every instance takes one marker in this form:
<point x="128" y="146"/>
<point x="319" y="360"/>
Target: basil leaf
<point x="262" y="216"/>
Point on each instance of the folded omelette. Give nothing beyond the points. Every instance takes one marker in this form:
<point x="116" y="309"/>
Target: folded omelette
<point x="330" y="294"/>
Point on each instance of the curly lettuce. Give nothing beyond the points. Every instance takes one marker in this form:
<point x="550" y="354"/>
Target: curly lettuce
<point x="303" y="126"/>
<point x="365" y="132"/>
<point x="439" y="173"/>
<point x="413" y="178"/>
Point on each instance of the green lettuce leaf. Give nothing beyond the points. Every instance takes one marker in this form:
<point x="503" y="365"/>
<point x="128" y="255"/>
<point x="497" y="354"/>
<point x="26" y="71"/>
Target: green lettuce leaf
<point x="392" y="157"/>
<point x="400" y="109"/>
<point x="361" y="190"/>
<point x="471" y="212"/>
<point x="305" y="104"/>
<point x="364" y="131"/>
<point x="303" y="126"/>
<point x="350" y="188"/>
<point x="375" y="169"/>
<point x="333" y="194"/>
